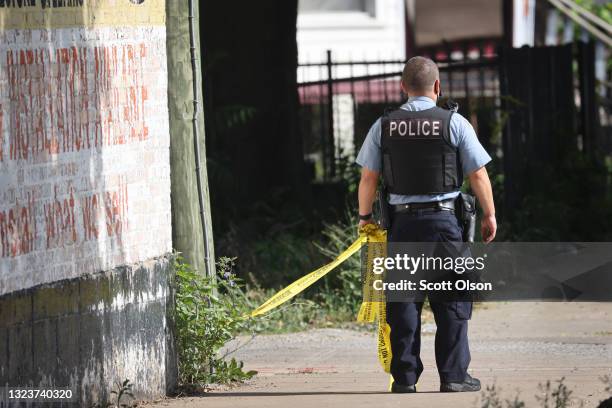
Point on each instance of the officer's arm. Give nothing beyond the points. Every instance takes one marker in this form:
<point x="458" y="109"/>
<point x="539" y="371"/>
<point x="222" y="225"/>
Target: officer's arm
<point x="367" y="191"/>
<point x="481" y="185"/>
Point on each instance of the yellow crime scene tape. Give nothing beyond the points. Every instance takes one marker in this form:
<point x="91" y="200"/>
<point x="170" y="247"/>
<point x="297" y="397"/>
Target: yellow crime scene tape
<point x="373" y="307"/>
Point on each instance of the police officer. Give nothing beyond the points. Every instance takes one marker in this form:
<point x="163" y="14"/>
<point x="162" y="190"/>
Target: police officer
<point x="423" y="152"/>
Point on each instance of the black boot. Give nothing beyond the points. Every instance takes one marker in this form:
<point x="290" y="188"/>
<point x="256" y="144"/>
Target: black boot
<point x="402" y="389"/>
<point x="470" y="384"/>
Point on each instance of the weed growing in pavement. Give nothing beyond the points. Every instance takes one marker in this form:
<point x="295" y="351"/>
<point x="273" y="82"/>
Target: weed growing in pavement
<point x="551" y="395"/>
<point x="208" y="313"/>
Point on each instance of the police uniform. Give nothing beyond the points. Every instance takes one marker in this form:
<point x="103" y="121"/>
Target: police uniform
<point x="423" y="152"/>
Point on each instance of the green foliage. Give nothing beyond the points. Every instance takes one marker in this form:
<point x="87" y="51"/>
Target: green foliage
<point x="231" y="370"/>
<point x="298" y="314"/>
<point x="273" y="240"/>
<point x="333" y="301"/>
<point x="551" y="395"/>
<point x="515" y="403"/>
<point x="285" y="256"/>
<point x="602" y="10"/>
<point x="490" y="397"/>
<point x="348" y="172"/>
<point x="557" y="397"/>
<point x="231" y="116"/>
<point x="122" y="391"/>
<point x="571" y="202"/>
<point x="341" y="290"/>
<point x="208" y="313"/>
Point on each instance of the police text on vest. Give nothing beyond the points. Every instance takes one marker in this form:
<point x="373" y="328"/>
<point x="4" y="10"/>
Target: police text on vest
<point x="415" y="127"/>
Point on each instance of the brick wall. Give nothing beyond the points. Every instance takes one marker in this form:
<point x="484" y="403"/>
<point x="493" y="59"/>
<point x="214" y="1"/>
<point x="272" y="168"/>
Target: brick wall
<point x="84" y="152"/>
<point x="84" y="190"/>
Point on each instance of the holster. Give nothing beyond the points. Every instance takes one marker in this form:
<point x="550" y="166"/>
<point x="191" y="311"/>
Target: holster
<point x="384" y="209"/>
<point x="465" y="210"/>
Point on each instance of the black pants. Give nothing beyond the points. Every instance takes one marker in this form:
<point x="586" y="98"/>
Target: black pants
<point x="452" y="349"/>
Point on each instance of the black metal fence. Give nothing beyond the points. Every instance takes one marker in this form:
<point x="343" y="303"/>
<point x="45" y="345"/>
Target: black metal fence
<point x="340" y="100"/>
<point x="527" y="98"/>
<point x="556" y="117"/>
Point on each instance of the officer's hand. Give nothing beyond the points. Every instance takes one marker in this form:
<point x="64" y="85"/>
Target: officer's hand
<point x="488" y="228"/>
<point x="362" y="222"/>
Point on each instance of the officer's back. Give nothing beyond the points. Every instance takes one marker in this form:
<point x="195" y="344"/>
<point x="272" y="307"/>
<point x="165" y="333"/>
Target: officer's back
<point x="423" y="153"/>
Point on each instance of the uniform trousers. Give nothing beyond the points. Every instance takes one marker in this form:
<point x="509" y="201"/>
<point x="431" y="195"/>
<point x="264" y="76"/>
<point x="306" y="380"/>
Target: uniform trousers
<point x="451" y="342"/>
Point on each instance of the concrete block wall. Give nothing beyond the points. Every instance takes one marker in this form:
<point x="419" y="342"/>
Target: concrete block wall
<point x="85" y="221"/>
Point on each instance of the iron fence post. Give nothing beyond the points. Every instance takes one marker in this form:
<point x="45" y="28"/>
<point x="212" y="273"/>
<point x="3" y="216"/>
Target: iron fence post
<point x="331" y="150"/>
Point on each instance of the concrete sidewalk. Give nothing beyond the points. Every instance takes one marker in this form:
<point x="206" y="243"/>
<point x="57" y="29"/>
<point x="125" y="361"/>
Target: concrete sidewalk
<point x="515" y="346"/>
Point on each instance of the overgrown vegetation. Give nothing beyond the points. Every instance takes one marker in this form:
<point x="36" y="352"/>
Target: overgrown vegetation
<point x="273" y="241"/>
<point x="341" y="290"/>
<point x="208" y="313"/>
<point x="577" y="197"/>
<point x="554" y="394"/>
<point x="602" y="9"/>
<point x="333" y="301"/>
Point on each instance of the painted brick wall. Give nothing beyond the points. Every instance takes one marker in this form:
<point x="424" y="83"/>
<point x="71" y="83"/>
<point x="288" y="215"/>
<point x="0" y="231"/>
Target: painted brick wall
<point x="85" y="221"/>
<point x="84" y="138"/>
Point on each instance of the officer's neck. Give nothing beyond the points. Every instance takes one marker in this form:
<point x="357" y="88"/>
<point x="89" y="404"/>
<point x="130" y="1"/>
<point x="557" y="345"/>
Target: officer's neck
<point x="432" y="96"/>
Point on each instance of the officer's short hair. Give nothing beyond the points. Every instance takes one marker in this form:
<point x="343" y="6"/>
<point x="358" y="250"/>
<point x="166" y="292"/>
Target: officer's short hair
<point x="420" y="73"/>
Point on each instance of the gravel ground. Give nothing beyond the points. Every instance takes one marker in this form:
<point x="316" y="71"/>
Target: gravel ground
<point x="515" y="346"/>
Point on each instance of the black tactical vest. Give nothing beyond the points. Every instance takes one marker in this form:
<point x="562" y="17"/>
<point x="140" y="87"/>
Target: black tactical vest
<point x="418" y="157"/>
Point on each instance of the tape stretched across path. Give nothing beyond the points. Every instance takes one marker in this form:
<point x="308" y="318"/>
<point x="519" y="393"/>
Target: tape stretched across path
<point x="370" y="309"/>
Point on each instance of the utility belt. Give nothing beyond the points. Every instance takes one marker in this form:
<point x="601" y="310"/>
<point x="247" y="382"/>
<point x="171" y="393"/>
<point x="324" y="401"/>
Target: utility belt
<point x="444" y="205"/>
<point x="464" y="208"/>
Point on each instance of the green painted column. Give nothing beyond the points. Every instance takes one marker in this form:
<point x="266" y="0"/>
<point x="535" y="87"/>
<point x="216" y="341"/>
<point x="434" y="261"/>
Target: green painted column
<point x="191" y="231"/>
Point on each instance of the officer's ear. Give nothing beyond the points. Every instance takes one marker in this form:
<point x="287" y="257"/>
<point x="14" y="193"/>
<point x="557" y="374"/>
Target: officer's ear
<point x="437" y="87"/>
<point x="403" y="86"/>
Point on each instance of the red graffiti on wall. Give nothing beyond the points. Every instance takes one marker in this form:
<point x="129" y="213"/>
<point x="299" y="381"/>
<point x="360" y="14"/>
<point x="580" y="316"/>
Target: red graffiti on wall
<point x="90" y="209"/>
<point x="59" y="104"/>
<point x="116" y="204"/>
<point x="103" y="213"/>
<point x="59" y="221"/>
<point x="18" y="229"/>
<point x="110" y="206"/>
<point x="126" y="106"/>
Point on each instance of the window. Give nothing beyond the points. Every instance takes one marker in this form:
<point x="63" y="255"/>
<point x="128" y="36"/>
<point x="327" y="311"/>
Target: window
<point x="331" y="6"/>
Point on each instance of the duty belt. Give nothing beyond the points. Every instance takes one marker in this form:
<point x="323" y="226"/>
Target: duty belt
<point x="444" y="205"/>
